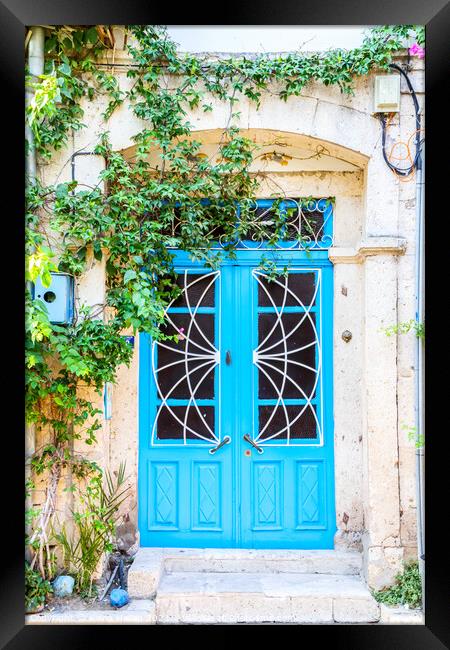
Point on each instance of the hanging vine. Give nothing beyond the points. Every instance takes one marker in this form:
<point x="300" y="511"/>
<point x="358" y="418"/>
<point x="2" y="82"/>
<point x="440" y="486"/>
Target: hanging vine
<point x="144" y="212"/>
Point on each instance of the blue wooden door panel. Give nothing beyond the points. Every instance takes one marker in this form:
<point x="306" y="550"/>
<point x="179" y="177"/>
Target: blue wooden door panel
<point x="238" y="497"/>
<point x="186" y="493"/>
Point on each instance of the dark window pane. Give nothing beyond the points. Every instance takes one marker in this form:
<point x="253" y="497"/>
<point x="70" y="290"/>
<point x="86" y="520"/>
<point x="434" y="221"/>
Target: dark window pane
<point x="172" y="358"/>
<point x="168" y="427"/>
<point x="279" y="369"/>
<point x="303" y="426"/>
<point x="201" y="379"/>
<point x="302" y="286"/>
<point x="305" y="223"/>
<point x="193" y="287"/>
<point x="312" y="224"/>
<point x="197" y="334"/>
<point x="259" y="224"/>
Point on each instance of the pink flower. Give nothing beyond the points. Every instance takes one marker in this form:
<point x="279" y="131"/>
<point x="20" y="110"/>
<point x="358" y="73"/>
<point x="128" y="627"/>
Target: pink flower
<point x="415" y="49"/>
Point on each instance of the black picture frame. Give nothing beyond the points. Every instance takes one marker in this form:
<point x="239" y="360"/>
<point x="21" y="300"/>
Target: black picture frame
<point x="14" y="16"/>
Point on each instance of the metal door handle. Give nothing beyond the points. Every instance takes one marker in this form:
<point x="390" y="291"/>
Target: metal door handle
<point x="253" y="443"/>
<point x="225" y="441"/>
<point x="228" y="358"/>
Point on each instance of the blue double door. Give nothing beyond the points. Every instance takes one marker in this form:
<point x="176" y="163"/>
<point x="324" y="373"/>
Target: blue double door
<point x="236" y="426"/>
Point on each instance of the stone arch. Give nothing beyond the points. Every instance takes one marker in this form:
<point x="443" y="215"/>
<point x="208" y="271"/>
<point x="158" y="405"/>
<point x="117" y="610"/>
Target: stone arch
<point x="296" y="151"/>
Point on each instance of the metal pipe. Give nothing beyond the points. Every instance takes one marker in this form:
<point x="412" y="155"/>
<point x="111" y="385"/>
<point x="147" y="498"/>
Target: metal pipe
<point x="419" y="368"/>
<point x="35" y="68"/>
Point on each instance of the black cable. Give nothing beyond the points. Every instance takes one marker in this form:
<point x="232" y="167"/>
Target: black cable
<point x="417" y="162"/>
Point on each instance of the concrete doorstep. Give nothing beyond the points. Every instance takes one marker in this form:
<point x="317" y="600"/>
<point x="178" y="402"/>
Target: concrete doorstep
<point x="195" y="586"/>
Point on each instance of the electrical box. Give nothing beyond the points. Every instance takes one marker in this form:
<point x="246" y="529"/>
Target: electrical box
<point x="58" y="298"/>
<point x="387" y="93"/>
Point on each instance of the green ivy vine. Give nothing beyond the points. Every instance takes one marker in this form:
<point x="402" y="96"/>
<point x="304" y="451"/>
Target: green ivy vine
<point x="144" y="211"/>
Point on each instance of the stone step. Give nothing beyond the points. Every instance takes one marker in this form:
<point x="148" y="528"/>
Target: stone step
<point x="264" y="561"/>
<point x="150" y="564"/>
<point x="201" y="597"/>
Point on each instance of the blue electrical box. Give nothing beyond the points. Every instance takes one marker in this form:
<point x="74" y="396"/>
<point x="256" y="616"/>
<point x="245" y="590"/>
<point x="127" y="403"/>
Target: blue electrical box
<point x="58" y="298"/>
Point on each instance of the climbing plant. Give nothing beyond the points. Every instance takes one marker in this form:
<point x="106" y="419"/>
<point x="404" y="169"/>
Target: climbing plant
<point x="186" y="200"/>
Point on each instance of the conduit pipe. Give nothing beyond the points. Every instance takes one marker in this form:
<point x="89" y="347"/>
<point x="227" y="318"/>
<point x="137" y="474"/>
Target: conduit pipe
<point x="35" y="68"/>
<point x="419" y="367"/>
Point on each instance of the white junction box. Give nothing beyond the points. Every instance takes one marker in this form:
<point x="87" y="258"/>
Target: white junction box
<point x="387" y="93"/>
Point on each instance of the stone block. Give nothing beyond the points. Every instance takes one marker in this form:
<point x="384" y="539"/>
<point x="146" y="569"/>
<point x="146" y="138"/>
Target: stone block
<point x="401" y="616"/>
<point x="352" y="610"/>
<point x="145" y="573"/>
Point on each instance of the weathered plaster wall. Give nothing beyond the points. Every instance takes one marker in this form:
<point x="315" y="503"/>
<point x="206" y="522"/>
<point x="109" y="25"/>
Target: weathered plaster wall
<point x="374" y="288"/>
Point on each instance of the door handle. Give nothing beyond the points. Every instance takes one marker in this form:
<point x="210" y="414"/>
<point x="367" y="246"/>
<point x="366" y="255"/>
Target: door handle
<point x="253" y="443"/>
<point x="228" y="358"/>
<point x="225" y="441"/>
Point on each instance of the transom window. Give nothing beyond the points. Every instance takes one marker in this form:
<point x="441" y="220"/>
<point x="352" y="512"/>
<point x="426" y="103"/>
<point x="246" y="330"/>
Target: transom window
<point x="303" y="224"/>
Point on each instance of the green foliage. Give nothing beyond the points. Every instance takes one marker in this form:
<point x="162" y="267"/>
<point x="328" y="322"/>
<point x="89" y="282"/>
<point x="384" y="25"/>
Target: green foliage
<point x="407" y="326"/>
<point x="413" y="435"/>
<point x="95" y="526"/>
<point x="36" y="589"/>
<point x="70" y="75"/>
<point x="407" y="589"/>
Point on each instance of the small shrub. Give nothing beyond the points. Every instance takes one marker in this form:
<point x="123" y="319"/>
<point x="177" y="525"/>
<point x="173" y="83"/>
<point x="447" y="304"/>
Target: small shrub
<point x="36" y="589"/>
<point x="95" y="527"/>
<point x="407" y="589"/>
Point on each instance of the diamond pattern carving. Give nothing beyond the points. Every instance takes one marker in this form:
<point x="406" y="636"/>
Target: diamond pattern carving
<point x="207" y="491"/>
<point x="266" y="494"/>
<point x="165" y="494"/>
<point x="310" y="492"/>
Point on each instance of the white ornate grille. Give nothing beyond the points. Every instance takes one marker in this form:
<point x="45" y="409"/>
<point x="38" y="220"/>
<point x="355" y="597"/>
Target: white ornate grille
<point x="185" y="380"/>
<point x="293" y="416"/>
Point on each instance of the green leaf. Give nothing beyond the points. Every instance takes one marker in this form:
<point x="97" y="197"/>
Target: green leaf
<point x="92" y="35"/>
<point x="46" y="278"/>
<point x="97" y="251"/>
<point x="65" y="69"/>
<point x="61" y="191"/>
<point x="129" y="275"/>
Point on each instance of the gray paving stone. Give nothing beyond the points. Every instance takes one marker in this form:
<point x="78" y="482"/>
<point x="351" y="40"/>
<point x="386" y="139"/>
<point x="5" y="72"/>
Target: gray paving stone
<point x="138" y="612"/>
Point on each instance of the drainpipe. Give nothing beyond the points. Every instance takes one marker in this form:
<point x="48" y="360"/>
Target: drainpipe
<point x="419" y="367"/>
<point x="35" y="68"/>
